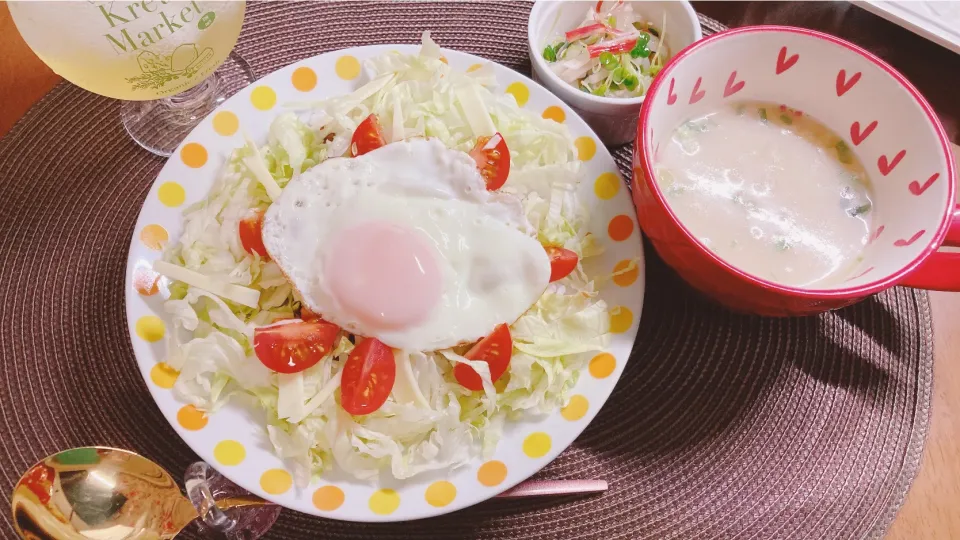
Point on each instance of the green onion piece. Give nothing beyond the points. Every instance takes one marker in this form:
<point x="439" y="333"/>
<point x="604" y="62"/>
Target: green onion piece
<point x="630" y="82"/>
<point x="549" y="54"/>
<point x="600" y="90"/>
<point x="619" y="75"/>
<point x="653" y="31"/>
<point x="860" y="210"/>
<point x="763" y="115"/>
<point x="640" y="49"/>
<point x="644" y="39"/>
<point x="608" y="61"/>
<point x="654" y="70"/>
<point x="612" y="21"/>
<point x="785" y="118"/>
<point x="843" y="152"/>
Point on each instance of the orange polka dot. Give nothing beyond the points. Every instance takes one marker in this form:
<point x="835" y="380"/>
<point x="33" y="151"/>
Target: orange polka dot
<point x="537" y="444"/>
<point x="384" y="502"/>
<point x="602" y="365"/>
<point x="620" y="228"/>
<point x="194" y="155"/>
<point x="163" y="375"/>
<point x="474" y="67"/>
<point x="440" y="494"/>
<point x="191" y="418"/>
<point x="276" y="481"/>
<point x="554" y="113"/>
<point x="621" y="319"/>
<point x="519" y="91"/>
<point x="328" y="498"/>
<point x="225" y="123"/>
<point x="263" y="98"/>
<point x="154" y="237"/>
<point x="229" y="453"/>
<point x="627" y="277"/>
<point x="492" y="473"/>
<point x="347" y="67"/>
<point x="576" y="409"/>
<point x="586" y="148"/>
<point x="145" y="281"/>
<point x="304" y="79"/>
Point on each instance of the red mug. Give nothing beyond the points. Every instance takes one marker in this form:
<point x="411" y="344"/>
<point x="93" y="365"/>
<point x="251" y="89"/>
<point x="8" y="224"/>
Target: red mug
<point x="873" y="108"/>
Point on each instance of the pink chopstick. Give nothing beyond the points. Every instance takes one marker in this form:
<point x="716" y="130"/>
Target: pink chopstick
<point x="537" y="488"/>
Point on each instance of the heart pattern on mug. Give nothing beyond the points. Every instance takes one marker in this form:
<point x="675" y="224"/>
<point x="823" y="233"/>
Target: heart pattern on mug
<point x="903" y="243"/>
<point x="697" y="94"/>
<point x="861" y="274"/>
<point x="876" y="234"/>
<point x="731" y="87"/>
<point x="885" y="165"/>
<point x="843" y="84"/>
<point x="783" y="62"/>
<point x="671" y="97"/>
<point x="917" y="189"/>
<point x="858" y="136"/>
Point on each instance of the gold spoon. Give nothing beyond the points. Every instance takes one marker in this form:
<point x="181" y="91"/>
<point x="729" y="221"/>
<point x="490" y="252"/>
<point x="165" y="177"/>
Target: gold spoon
<point x="97" y="493"/>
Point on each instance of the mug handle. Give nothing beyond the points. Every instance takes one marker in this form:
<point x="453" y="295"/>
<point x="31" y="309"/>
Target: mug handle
<point x="941" y="270"/>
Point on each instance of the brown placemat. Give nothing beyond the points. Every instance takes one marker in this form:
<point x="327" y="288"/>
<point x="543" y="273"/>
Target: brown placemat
<point x="723" y="426"/>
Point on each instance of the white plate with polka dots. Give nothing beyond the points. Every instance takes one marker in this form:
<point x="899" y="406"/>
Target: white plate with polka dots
<point x="233" y="442"/>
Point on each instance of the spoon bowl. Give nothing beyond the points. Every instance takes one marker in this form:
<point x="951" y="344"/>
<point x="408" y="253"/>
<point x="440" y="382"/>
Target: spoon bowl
<point x="110" y="494"/>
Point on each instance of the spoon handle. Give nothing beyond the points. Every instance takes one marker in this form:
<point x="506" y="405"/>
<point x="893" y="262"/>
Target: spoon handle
<point x="226" y="509"/>
<point x="537" y="488"/>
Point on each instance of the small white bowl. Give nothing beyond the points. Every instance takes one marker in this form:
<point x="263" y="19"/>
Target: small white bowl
<point x="613" y="119"/>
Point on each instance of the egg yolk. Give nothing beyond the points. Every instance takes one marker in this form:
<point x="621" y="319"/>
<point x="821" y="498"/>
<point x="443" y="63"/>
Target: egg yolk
<point x="386" y="275"/>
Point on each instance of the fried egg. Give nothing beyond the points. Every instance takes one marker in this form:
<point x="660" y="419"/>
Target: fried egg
<point x="405" y="244"/>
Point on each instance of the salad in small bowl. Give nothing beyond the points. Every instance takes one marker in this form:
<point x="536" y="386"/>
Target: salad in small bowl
<point x="600" y="57"/>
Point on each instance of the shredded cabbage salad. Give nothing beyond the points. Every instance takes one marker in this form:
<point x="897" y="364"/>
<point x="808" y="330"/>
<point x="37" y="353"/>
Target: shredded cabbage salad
<point x="219" y="293"/>
<point x="613" y="53"/>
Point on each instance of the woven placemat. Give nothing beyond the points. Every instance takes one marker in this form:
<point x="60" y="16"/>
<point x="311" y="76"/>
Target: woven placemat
<point x="723" y="426"/>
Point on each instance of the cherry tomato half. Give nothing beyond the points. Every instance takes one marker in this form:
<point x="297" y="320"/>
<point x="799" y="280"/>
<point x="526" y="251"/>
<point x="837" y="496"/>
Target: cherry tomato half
<point x="367" y="137"/>
<point x="493" y="160"/>
<point x="562" y="262"/>
<point x="368" y="377"/>
<point x="495" y="349"/>
<point x="251" y="234"/>
<point x="292" y="347"/>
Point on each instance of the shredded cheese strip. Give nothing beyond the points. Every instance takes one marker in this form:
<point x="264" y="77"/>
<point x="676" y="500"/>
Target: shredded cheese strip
<point x="259" y="170"/>
<point x="244" y="296"/>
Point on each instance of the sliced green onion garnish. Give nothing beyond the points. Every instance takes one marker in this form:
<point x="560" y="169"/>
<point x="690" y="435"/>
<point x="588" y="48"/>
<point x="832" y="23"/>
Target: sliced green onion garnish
<point x="763" y="114"/>
<point x="549" y="54"/>
<point x="608" y="61"/>
<point x="860" y="210"/>
<point x="785" y="118"/>
<point x="619" y="75"/>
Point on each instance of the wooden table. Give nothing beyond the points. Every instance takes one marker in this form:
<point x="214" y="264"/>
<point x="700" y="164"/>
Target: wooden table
<point x="932" y="509"/>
